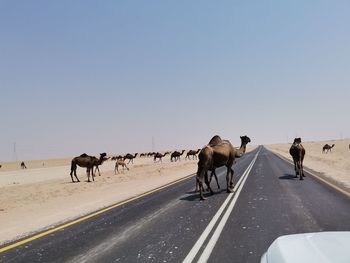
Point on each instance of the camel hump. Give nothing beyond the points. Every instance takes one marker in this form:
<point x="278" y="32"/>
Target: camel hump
<point x="84" y="155"/>
<point x="215" y="140"/>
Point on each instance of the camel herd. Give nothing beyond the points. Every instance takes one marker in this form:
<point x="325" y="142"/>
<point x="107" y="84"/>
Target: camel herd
<point x="92" y="162"/>
<point x="215" y="154"/>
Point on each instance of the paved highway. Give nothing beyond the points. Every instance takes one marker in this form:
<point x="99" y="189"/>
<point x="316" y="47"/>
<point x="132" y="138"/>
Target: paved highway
<point x="172" y="225"/>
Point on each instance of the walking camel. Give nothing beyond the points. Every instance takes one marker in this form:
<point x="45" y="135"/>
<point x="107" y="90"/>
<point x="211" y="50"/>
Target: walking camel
<point x="327" y="148"/>
<point x="216" y="154"/>
<point x="176" y="155"/>
<point x="192" y="153"/>
<point x="120" y="163"/>
<point x="159" y="156"/>
<point x="87" y="162"/>
<point x="297" y="151"/>
<point x="130" y="157"/>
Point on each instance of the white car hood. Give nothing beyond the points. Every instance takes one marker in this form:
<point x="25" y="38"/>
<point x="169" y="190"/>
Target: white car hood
<point x="310" y="247"/>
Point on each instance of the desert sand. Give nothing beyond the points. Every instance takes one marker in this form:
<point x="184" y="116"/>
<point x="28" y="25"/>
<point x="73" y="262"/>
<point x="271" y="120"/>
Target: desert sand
<point x="36" y="199"/>
<point x="333" y="166"/>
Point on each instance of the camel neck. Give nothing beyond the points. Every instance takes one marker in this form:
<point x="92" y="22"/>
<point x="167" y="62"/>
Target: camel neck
<point x="241" y="150"/>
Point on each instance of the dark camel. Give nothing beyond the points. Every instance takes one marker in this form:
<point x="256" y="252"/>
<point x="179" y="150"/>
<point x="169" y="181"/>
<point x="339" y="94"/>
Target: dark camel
<point x="176" y="156"/>
<point x="23" y="165"/>
<point x="159" y="156"/>
<point x="97" y="163"/>
<point x="192" y="153"/>
<point x="327" y="148"/>
<point x="120" y="163"/>
<point x="87" y="162"/>
<point x="297" y="151"/>
<point x="216" y="154"/>
<point x="130" y="157"/>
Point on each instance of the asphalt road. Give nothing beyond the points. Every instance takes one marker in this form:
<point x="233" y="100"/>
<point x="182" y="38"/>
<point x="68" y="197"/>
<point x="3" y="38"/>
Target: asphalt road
<point x="172" y="225"/>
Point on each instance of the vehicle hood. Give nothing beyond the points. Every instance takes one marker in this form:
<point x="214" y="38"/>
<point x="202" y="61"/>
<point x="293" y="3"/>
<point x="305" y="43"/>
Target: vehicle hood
<point x="310" y="247"/>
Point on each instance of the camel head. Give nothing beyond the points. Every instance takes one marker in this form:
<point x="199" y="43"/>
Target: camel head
<point x="103" y="157"/>
<point x="333" y="145"/>
<point x="245" y="139"/>
<point x="297" y="140"/>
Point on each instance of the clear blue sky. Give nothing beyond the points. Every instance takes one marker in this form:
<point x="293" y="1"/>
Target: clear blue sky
<point x="93" y="76"/>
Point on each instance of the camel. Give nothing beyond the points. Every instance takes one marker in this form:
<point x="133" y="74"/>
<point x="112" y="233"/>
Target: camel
<point x="192" y="153"/>
<point x="216" y="154"/>
<point x="176" y="155"/>
<point x="130" y="157"/>
<point x="159" y="156"/>
<point x="97" y="163"/>
<point x="87" y="162"/>
<point x="297" y="151"/>
<point x="122" y="164"/>
<point x="23" y="166"/>
<point x="327" y="148"/>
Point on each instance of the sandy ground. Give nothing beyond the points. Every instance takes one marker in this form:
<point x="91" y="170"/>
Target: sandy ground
<point x="334" y="165"/>
<point x="35" y="199"/>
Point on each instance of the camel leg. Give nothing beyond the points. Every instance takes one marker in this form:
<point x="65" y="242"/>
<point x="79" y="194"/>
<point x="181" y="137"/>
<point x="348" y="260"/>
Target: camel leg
<point x="92" y="173"/>
<point x="295" y="168"/>
<point x="199" y="179"/>
<point x="213" y="173"/>
<point x="75" y="174"/>
<point x="88" y="174"/>
<point x="115" y="169"/>
<point x="228" y="189"/>
<point x="231" y="182"/>
<point x="71" y="175"/>
<point x="98" y="169"/>
<point x="207" y="183"/>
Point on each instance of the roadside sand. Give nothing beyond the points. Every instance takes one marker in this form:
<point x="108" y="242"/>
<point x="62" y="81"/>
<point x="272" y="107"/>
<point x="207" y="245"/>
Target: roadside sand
<point x="334" y="165"/>
<point x="39" y="198"/>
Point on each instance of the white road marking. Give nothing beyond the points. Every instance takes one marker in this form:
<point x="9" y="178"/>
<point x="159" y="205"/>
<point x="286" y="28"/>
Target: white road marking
<point x="197" y="246"/>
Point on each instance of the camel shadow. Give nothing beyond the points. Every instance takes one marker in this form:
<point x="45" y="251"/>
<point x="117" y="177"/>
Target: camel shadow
<point x="288" y="177"/>
<point x="194" y="196"/>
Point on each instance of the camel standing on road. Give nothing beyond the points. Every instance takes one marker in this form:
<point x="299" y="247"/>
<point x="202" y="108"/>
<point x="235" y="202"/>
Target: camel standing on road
<point x="87" y="162"/>
<point x="130" y="157"/>
<point x="176" y="155"/>
<point x="216" y="154"/>
<point x="120" y="163"/>
<point x="327" y="148"/>
<point x="297" y="151"/>
<point x="192" y="153"/>
<point x="23" y="165"/>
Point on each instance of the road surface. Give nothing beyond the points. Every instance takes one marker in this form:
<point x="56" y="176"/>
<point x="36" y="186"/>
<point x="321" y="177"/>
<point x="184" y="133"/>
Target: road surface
<point x="172" y="225"/>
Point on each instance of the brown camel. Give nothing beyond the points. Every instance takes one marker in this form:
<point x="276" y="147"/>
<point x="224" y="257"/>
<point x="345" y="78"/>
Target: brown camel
<point x="216" y="154"/>
<point x="327" y="148"/>
<point x="176" y="156"/>
<point x="192" y="153"/>
<point x="159" y="156"/>
<point x="297" y="151"/>
<point x="87" y="162"/>
<point x="120" y="163"/>
<point x="130" y="157"/>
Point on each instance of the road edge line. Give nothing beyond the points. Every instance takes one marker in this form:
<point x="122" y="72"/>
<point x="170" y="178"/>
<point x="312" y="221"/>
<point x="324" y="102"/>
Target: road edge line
<point x="326" y="181"/>
<point x="88" y="216"/>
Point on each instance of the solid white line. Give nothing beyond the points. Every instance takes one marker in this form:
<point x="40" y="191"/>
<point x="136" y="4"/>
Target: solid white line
<point x="195" y="249"/>
<point x="215" y="237"/>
